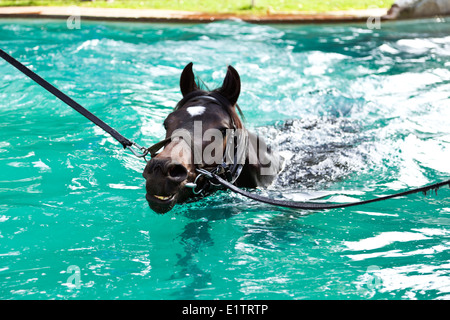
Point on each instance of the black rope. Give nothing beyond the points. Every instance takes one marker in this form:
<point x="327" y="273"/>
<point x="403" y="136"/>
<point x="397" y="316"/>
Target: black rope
<point x="321" y="206"/>
<point x="66" y="99"/>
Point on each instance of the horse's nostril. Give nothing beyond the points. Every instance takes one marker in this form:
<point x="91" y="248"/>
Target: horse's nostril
<point x="177" y="172"/>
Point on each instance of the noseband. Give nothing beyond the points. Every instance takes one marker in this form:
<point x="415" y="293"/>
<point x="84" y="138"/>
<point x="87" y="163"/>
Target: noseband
<point x="233" y="158"/>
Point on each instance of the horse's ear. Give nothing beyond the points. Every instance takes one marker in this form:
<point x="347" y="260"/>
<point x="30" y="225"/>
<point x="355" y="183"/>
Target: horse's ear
<point x="231" y="87"/>
<point x="187" y="80"/>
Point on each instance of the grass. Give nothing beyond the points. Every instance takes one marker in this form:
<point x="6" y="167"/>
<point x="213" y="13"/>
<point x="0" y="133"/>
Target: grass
<point x="215" y="6"/>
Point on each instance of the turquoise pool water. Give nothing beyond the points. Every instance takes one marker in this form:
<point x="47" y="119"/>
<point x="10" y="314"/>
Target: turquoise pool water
<point x="357" y="112"/>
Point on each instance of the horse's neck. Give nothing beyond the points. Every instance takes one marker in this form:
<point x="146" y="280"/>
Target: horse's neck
<point x="261" y="164"/>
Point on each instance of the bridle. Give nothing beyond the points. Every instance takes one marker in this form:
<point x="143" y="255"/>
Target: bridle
<point x="234" y="156"/>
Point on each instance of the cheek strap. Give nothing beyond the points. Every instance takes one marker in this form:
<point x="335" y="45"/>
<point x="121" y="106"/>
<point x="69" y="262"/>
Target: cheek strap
<point x="153" y="150"/>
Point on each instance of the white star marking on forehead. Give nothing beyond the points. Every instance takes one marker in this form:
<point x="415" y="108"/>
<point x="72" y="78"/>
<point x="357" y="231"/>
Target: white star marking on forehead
<point x="195" y="110"/>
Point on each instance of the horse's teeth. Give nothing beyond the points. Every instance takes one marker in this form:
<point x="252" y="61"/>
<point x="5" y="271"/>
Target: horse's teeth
<point x="162" y="197"/>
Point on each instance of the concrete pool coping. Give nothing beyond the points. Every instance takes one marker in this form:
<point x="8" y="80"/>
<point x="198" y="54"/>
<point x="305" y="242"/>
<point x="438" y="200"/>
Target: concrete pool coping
<point x="158" y="15"/>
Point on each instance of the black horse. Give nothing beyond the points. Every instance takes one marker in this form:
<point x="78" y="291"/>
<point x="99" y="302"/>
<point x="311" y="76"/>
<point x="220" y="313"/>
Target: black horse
<point x="206" y="132"/>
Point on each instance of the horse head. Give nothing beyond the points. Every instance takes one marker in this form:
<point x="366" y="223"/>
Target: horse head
<point x="196" y="136"/>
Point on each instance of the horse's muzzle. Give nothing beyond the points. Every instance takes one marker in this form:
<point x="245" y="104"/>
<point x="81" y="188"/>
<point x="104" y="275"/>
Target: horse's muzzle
<point x="164" y="181"/>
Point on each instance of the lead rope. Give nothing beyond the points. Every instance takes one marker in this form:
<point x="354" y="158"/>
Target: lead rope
<point x="127" y="144"/>
<point x="312" y="205"/>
